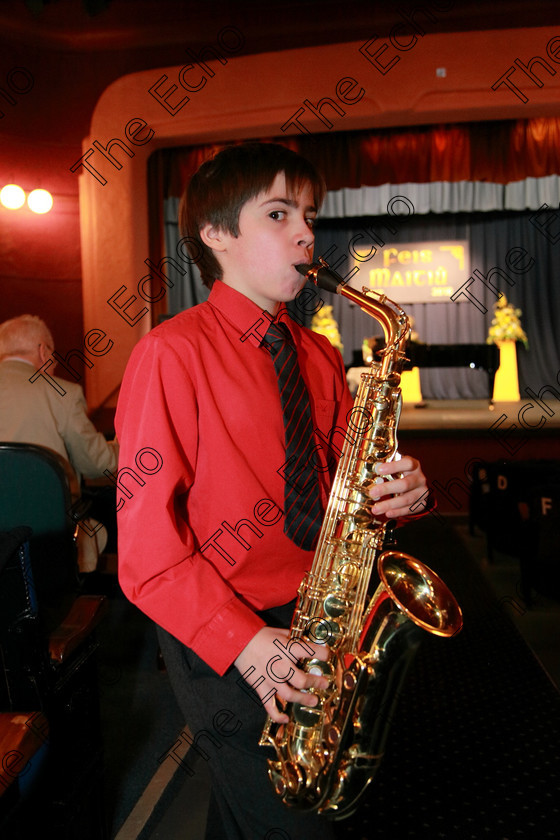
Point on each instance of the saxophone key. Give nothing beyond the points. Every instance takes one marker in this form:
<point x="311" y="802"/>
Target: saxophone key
<point x="335" y="606"/>
<point x="317" y="666"/>
<point x="325" y="631"/>
<point x="348" y="575"/>
<point x="290" y="781"/>
<point x="333" y="736"/>
<point x="349" y="681"/>
<point x="362" y="517"/>
<point x="306" y="716"/>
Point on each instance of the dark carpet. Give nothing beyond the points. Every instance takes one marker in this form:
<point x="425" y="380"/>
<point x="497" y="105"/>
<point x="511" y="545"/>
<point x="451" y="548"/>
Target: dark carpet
<point x="139" y="716"/>
<point x="475" y="745"/>
<point x="474" y="750"/>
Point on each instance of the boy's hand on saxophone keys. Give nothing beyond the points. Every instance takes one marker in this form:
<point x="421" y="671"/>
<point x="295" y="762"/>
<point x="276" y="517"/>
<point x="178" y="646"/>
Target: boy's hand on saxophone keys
<point x="401" y="484"/>
<point x="276" y="659"/>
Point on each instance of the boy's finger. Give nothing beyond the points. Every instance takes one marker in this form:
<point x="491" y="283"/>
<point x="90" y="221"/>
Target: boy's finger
<point x="275" y="713"/>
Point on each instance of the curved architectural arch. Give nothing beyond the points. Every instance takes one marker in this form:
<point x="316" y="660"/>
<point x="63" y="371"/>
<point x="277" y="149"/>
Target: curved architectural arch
<point x="334" y="87"/>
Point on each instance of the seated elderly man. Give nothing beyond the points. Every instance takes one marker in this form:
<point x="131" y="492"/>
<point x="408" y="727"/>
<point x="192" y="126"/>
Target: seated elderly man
<point x="55" y="417"/>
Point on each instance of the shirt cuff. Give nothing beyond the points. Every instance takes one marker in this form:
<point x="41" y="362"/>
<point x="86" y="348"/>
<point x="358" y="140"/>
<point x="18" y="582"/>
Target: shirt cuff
<point x="220" y="642"/>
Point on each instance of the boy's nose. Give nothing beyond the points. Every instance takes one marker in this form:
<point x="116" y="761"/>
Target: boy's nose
<point x="305" y="235"/>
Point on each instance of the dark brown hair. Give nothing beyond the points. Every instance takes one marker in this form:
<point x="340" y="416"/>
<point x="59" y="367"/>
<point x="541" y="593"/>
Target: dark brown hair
<point x="217" y="192"/>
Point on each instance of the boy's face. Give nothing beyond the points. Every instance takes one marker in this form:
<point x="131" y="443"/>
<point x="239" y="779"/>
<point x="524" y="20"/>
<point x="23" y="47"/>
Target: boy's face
<point x="275" y="235"/>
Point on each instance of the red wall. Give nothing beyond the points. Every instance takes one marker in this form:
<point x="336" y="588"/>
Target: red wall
<point x="40" y="138"/>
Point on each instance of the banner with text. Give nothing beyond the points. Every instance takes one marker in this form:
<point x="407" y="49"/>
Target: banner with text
<point x="414" y="272"/>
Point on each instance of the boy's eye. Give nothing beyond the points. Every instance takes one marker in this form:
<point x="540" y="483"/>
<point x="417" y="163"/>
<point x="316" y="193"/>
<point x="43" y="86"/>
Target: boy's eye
<point x="311" y="221"/>
<point x="277" y="215"/>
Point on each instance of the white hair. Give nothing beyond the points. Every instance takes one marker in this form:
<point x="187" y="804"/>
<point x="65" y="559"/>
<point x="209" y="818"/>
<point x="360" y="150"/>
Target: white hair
<point x="22" y="335"/>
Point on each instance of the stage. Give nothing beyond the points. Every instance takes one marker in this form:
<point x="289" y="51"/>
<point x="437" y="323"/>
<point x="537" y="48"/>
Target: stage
<point x="448" y="436"/>
<point x="479" y="417"/>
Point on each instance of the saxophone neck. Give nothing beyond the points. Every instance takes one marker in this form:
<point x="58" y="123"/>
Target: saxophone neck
<point x="392" y="318"/>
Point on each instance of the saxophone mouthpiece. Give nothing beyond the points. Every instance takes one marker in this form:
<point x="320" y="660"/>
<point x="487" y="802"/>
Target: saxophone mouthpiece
<point x="321" y="275"/>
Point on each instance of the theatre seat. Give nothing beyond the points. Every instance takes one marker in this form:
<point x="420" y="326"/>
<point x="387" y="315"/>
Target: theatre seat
<point x="24" y="749"/>
<point x="506" y="502"/>
<point x="35" y="492"/>
<point x="540" y="563"/>
<point x="48" y="643"/>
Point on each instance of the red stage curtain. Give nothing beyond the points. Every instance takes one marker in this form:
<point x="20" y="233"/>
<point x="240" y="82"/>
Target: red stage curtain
<point x="497" y="152"/>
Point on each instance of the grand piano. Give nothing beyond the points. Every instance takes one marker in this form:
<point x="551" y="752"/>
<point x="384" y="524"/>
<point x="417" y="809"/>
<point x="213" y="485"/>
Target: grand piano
<point x="484" y="356"/>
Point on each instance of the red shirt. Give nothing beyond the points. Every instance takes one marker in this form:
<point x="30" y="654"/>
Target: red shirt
<point x="199" y="421"/>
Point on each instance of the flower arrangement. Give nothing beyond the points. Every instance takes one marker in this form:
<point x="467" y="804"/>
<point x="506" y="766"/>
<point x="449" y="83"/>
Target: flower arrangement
<point x="506" y="325"/>
<point x="367" y="351"/>
<point x="324" y="323"/>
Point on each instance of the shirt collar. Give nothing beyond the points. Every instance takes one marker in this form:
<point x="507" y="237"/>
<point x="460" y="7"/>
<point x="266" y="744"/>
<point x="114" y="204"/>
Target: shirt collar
<point x="243" y="314"/>
<point x="17" y="359"/>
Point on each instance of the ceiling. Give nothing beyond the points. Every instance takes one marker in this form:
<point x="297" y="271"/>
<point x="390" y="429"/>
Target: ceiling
<point x="75" y="49"/>
<point x="116" y="25"/>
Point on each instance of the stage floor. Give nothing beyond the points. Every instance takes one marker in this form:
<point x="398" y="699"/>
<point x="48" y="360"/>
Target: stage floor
<point x="449" y="436"/>
<point x="441" y="416"/>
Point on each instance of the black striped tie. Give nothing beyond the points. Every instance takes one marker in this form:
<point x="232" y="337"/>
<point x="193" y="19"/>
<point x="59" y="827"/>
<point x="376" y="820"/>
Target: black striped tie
<point x="302" y="507"/>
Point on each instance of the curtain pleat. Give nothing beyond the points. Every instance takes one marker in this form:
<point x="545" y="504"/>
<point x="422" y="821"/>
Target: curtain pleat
<point x="496" y="152"/>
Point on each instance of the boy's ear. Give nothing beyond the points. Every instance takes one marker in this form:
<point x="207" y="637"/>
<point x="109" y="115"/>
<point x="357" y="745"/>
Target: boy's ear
<point x="213" y="237"/>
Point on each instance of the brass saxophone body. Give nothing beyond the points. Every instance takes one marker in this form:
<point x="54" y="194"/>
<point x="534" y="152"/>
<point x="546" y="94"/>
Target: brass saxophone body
<point x="366" y="604"/>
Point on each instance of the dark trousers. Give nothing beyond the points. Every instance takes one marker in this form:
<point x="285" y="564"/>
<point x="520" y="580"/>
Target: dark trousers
<point x="225" y="723"/>
<point x="102" y="503"/>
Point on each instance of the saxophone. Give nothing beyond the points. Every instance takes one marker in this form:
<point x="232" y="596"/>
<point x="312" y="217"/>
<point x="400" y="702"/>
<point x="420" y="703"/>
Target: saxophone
<point x="327" y="755"/>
